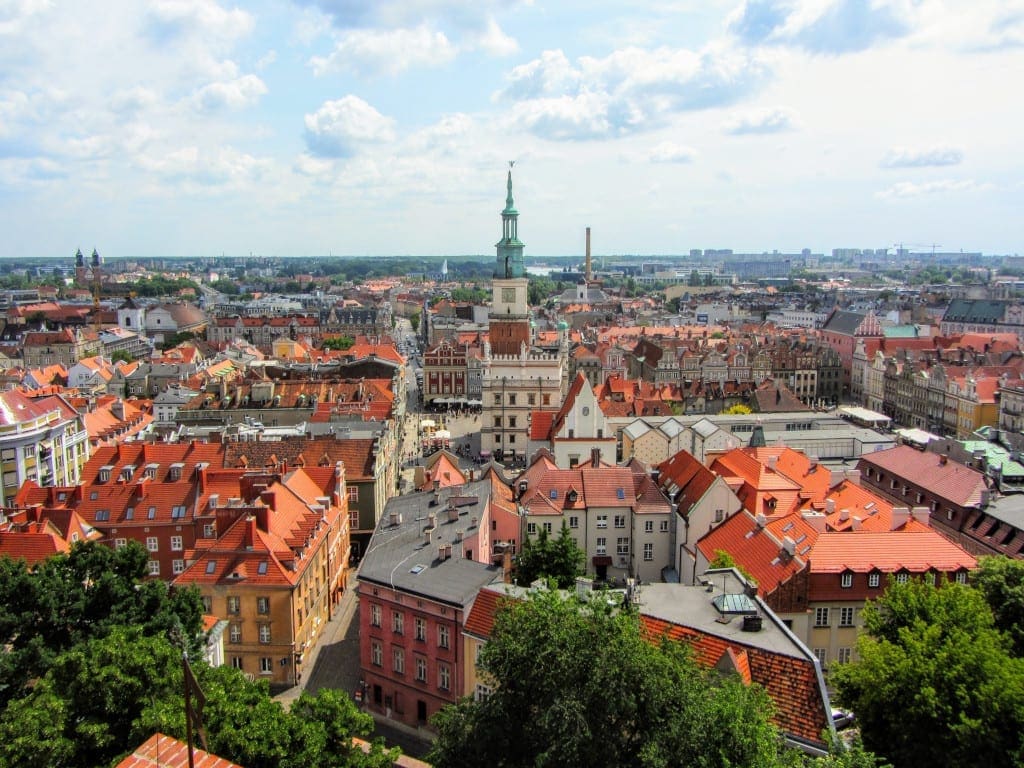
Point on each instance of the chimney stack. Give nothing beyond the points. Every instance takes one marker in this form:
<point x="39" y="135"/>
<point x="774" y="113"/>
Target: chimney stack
<point x="589" y="271"/>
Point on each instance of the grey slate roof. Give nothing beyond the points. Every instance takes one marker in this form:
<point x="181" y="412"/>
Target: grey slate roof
<point x="974" y="311"/>
<point x="397" y="550"/>
<point x="841" y="321"/>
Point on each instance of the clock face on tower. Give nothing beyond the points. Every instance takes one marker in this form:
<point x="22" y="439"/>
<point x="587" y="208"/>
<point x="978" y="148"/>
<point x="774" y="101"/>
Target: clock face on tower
<point x="508" y="295"/>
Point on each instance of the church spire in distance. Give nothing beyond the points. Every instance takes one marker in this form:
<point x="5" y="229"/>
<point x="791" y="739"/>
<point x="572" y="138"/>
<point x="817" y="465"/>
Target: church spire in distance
<point x="509" y="262"/>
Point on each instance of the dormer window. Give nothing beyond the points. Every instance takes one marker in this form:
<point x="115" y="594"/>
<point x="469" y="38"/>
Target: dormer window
<point x="846" y="580"/>
<point x="572" y="496"/>
<point x="104" y="474"/>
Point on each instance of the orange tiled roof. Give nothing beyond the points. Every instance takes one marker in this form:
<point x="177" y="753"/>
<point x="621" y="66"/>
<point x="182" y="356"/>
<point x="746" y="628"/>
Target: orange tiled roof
<point x="755" y="548"/>
<point x="160" y="750"/>
<point x="914" y="550"/>
<point x="947" y="479"/>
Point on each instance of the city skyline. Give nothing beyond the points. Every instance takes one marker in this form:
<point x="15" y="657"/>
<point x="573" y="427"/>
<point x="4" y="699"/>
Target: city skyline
<point x="308" y="127"/>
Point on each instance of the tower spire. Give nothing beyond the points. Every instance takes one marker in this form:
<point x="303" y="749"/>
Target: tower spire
<point x="509" y="262"/>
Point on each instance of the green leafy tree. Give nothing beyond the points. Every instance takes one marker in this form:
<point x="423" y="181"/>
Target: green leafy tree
<point x="74" y="598"/>
<point x="103" y="697"/>
<point x="121" y="355"/>
<point x="935" y="683"/>
<point x="338" y="342"/>
<point x="1001" y="581"/>
<point x="581" y="685"/>
<point x="723" y="559"/>
<point x="414" y="321"/>
<point x="560" y="558"/>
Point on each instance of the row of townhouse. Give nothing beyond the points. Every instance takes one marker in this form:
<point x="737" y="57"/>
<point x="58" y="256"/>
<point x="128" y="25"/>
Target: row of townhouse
<point x="268" y="547"/>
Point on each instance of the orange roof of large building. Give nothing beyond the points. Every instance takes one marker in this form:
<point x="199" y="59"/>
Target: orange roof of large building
<point x="917" y="550"/>
<point x="760" y="488"/>
<point x="754" y="547"/>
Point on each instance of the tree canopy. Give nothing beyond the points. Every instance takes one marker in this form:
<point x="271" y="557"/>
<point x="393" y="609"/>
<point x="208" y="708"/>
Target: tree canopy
<point x="1001" y="581"/>
<point x="560" y="558"/>
<point x="102" y="698"/>
<point x="94" y="668"/>
<point x="936" y="683"/>
<point x="74" y="598"/>
<point x="580" y="684"/>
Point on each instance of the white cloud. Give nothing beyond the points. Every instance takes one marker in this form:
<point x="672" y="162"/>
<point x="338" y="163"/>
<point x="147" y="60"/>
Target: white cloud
<point x="266" y="60"/>
<point x="629" y="91"/>
<point x="366" y="51"/>
<point x="172" y="18"/>
<point x="220" y="167"/>
<point x="769" y="120"/>
<point x="132" y="100"/>
<point x="907" y="189"/>
<point x="467" y="14"/>
<point x="340" y="127"/>
<point x="901" y="157"/>
<point x="446" y="136"/>
<point x="669" y="152"/>
<point x="232" y="94"/>
<point x="821" y="26"/>
<point x="491" y="40"/>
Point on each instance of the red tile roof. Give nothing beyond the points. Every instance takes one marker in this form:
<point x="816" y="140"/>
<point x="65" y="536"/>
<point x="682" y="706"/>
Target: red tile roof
<point x="753" y="547"/>
<point x="162" y="751"/>
<point x="916" y="550"/>
<point x="946" y="479"/>
<point x="791" y="682"/>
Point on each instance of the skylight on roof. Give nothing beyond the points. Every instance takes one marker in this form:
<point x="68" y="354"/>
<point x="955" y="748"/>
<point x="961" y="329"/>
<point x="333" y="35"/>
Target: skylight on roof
<point x="211" y="566"/>
<point x="416" y="569"/>
<point x="620" y="493"/>
<point x="554" y="493"/>
<point x="262" y="568"/>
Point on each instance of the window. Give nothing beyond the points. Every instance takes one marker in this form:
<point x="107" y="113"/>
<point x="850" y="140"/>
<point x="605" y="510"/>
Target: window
<point x="209" y="531"/>
<point x="648" y="526"/>
<point x="620" y="521"/>
<point x="719" y="515"/>
<point x="648" y="551"/>
<point x="497" y="422"/>
<point x="353" y="517"/>
<point x="547" y="527"/>
<point x="622" y="545"/>
<point x="902" y="578"/>
<point x="482" y="692"/>
<point x="602" y="545"/>
<point x="152" y="544"/>
<point x="444" y="677"/>
<point x="497" y="399"/>
<point x="821" y="655"/>
<point x="442" y="636"/>
<point x="262" y="605"/>
<point x="421" y="669"/>
<point x="261" y="569"/>
<point x="961" y="577"/>
<point x="353" y="493"/>
<point x="846" y="580"/>
<point x="234" y="604"/>
<point x="397" y="622"/>
<point x="398" y="660"/>
<point x="176" y="544"/>
<point x="236" y="662"/>
<point x="845" y="655"/>
<point x="235" y="633"/>
<point x="129" y="513"/>
<point x="546" y="399"/>
<point x="531" y="528"/>
<point x="821" y="617"/>
<point x="265" y="634"/>
<point x="151" y="514"/>
<point x="531" y="399"/>
<point x="207" y="604"/>
<point x="420" y="628"/>
<point x="512" y="422"/>
<point x="846" y="617"/>
<point x="154" y="567"/>
<point x="376" y="654"/>
<point x="873" y="580"/>
<point x="118" y="543"/>
<point x="177" y="512"/>
<point x="266" y="665"/>
<point x="602" y="521"/>
<point x="177" y="566"/>
<point x="574" y="522"/>
<point x="512" y="398"/>
<point x="102" y="515"/>
<point x="620" y="494"/>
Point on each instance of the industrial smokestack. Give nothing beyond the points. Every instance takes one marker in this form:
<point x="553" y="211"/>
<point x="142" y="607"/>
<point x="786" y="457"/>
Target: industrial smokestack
<point x="590" y="273"/>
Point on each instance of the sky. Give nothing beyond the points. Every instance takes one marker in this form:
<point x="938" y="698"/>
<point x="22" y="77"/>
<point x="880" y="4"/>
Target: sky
<point x="315" y="127"/>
